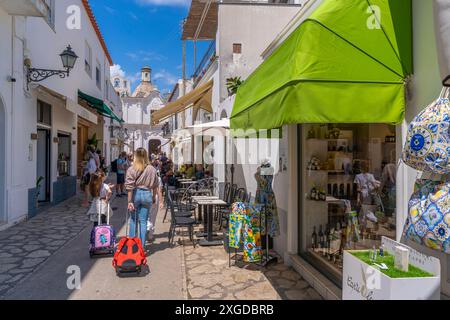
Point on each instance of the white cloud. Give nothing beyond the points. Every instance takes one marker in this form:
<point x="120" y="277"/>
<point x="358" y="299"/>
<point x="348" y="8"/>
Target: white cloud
<point x="116" y="70"/>
<point x="133" y="16"/>
<point x="146" y="56"/>
<point x="170" y="3"/>
<point x="165" y="77"/>
<point x="110" y="10"/>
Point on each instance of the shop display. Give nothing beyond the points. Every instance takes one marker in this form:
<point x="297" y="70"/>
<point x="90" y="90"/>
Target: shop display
<point x="417" y="277"/>
<point x="401" y="261"/>
<point x="245" y="230"/>
<point x="428" y="219"/>
<point x="427" y="143"/>
<point x="349" y="182"/>
<point x="265" y="196"/>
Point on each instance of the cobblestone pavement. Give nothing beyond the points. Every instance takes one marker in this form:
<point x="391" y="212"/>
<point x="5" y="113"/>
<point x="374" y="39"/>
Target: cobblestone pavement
<point x="24" y="247"/>
<point x="210" y="277"/>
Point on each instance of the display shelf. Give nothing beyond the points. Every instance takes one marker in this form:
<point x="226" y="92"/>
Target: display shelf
<point x="334" y="268"/>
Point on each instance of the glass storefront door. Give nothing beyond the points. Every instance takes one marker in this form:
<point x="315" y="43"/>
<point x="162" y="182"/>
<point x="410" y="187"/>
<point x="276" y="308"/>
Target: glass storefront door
<point x="347" y="181"/>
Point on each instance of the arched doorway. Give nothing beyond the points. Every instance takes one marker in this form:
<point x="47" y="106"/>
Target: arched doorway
<point x="3" y="211"/>
<point x="154" y="146"/>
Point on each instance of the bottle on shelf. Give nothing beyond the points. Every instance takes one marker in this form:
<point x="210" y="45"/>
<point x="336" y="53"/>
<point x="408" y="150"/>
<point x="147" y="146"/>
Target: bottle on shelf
<point x="321" y="238"/>
<point x="341" y="190"/>
<point x="335" y="190"/>
<point x="314" y="239"/>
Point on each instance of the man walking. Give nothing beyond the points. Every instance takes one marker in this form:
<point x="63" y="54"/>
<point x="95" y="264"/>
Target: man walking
<point x="122" y="167"/>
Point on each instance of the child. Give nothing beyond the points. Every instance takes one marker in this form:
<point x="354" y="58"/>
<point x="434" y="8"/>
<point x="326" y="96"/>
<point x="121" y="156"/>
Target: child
<point x="101" y="194"/>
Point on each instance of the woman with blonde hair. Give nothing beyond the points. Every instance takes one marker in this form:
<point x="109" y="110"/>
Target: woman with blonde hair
<point x="142" y="185"/>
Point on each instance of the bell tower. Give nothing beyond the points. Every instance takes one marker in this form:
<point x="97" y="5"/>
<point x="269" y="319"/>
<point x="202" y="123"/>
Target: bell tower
<point x="146" y="74"/>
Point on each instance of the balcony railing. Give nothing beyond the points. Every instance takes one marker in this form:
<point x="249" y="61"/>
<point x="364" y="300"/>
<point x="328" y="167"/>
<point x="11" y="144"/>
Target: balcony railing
<point x="207" y="60"/>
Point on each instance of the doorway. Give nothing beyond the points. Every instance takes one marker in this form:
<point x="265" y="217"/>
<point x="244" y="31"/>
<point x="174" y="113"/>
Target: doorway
<point x="81" y="145"/>
<point x="43" y="164"/>
<point x="154" y="146"/>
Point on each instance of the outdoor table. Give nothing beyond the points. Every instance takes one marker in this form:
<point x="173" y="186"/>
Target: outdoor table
<point x="195" y="199"/>
<point x="208" y="222"/>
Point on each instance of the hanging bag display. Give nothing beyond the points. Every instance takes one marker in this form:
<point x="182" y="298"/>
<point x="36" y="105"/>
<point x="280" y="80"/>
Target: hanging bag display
<point x="428" y="221"/>
<point x="427" y="145"/>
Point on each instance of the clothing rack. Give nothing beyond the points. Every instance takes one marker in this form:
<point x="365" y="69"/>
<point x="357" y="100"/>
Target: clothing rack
<point x="266" y="258"/>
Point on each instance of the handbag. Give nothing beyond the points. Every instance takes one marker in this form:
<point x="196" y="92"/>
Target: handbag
<point x="427" y="145"/>
<point x="428" y="221"/>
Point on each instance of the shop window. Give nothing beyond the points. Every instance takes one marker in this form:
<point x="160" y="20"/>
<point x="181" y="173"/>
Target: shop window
<point x="88" y="60"/>
<point x="347" y="183"/>
<point x="64" y="154"/>
<point x="98" y="75"/>
<point x="44" y="113"/>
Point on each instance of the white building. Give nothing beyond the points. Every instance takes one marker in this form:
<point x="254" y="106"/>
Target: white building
<point x="46" y="125"/>
<point x="121" y="84"/>
<point x="137" y="113"/>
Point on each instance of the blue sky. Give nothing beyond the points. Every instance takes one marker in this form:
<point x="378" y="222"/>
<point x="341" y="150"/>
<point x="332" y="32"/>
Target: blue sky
<point x="146" y="32"/>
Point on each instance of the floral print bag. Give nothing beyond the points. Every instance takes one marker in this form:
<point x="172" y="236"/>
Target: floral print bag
<point x="427" y="145"/>
<point x="428" y="221"/>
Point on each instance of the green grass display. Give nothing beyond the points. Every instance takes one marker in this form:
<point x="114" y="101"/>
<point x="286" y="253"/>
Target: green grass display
<point x="388" y="259"/>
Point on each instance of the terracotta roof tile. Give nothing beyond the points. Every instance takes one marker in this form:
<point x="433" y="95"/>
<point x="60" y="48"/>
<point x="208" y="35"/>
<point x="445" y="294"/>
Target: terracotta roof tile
<point x="97" y="29"/>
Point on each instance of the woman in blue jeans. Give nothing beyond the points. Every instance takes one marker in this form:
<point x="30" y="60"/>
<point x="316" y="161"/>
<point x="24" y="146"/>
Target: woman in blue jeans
<point x="142" y="184"/>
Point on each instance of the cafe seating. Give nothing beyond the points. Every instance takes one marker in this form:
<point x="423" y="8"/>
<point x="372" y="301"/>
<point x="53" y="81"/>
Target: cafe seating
<point x="179" y="221"/>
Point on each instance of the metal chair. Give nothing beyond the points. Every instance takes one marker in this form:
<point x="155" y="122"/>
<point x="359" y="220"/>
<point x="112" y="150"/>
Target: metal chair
<point x="178" y="221"/>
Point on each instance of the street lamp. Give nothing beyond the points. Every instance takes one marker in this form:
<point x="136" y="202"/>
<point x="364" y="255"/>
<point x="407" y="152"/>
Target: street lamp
<point x="68" y="58"/>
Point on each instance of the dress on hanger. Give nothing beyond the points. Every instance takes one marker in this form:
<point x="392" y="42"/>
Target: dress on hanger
<point x="245" y="229"/>
<point x="266" y="196"/>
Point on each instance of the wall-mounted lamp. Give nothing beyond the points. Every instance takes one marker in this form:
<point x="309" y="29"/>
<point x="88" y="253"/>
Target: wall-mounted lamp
<point x="68" y="58"/>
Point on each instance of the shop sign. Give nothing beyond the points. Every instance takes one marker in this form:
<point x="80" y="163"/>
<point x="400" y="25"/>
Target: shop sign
<point x="75" y="108"/>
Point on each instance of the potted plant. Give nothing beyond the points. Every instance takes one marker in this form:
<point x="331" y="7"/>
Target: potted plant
<point x="233" y="85"/>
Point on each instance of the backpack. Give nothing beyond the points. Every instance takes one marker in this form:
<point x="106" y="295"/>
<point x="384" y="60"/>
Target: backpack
<point x="129" y="256"/>
<point x="114" y="166"/>
<point x="103" y="237"/>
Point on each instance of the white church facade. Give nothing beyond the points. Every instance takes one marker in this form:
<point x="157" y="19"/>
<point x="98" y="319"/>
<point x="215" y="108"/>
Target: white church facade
<point x="137" y="112"/>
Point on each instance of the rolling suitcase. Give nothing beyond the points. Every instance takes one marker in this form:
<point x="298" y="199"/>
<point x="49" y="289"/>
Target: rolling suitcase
<point x="129" y="256"/>
<point x="103" y="237"/>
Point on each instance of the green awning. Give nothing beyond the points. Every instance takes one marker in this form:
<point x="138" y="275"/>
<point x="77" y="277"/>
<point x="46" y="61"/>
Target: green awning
<point x="100" y="106"/>
<point x="347" y="63"/>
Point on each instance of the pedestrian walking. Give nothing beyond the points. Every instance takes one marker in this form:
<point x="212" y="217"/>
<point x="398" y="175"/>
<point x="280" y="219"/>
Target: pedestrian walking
<point x="101" y="194"/>
<point x="142" y="185"/>
<point x="122" y="167"/>
<point x="157" y="205"/>
<point x="88" y="170"/>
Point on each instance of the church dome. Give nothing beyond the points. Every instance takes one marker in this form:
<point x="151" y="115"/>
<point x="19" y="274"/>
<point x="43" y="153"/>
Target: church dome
<point x="145" y="88"/>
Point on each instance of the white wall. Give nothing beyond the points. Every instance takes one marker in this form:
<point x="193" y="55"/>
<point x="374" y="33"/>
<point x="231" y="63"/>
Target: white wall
<point x="257" y="26"/>
<point x="34" y="38"/>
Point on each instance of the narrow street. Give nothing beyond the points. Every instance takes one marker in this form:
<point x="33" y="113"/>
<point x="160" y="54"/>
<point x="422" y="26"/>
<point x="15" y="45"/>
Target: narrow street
<point x="39" y="266"/>
<point x="35" y="256"/>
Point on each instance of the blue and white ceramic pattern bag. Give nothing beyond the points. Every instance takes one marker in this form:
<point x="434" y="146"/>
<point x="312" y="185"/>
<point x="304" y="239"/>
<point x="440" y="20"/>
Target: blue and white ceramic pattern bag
<point x="428" y="142"/>
<point x="428" y="221"/>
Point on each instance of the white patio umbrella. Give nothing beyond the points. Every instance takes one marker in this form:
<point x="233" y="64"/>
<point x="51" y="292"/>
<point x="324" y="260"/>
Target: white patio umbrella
<point x="222" y="126"/>
<point x="215" y="128"/>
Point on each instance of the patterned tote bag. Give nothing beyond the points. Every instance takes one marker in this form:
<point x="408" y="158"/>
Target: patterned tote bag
<point x="428" y="141"/>
<point x="428" y="221"/>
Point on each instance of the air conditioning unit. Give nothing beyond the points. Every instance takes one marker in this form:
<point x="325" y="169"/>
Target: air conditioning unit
<point x="114" y="141"/>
